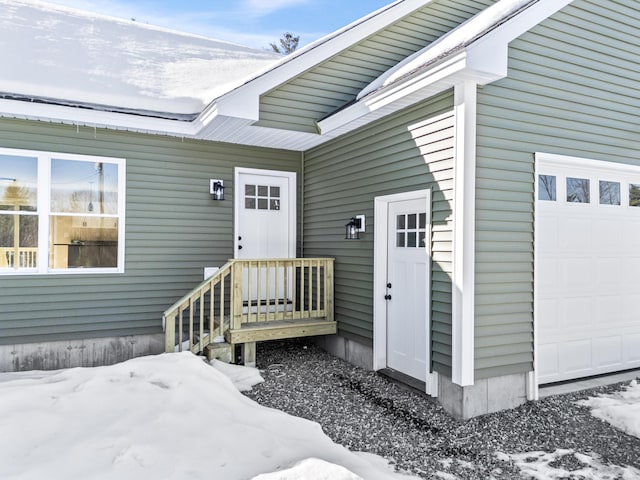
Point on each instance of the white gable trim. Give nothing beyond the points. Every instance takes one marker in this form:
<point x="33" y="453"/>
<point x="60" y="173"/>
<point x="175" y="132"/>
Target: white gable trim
<point x="244" y="101"/>
<point x="482" y="62"/>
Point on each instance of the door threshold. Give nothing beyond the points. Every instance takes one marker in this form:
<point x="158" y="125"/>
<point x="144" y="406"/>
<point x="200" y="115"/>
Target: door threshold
<point x="404" y="380"/>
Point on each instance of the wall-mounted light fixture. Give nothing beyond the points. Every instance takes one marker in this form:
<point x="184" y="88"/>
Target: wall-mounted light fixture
<point x="354" y="227"/>
<point x="216" y="189"/>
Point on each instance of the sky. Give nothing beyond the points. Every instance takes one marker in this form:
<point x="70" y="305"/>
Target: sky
<point x="254" y="23"/>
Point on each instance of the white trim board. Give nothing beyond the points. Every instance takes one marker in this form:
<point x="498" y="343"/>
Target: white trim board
<point x="464" y="224"/>
<point x="380" y="236"/>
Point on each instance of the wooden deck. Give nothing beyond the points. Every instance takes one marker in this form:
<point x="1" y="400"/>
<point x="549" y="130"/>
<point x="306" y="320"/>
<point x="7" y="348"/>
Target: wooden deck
<point x="249" y="301"/>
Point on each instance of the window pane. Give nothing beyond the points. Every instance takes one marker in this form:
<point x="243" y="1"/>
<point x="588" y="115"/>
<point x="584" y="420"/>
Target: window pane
<point x="18" y="183"/>
<point x="24" y="229"/>
<point x="634" y="195"/>
<point x="263" y="204"/>
<point x="578" y="190"/>
<point x="547" y="187"/>
<point x="250" y="190"/>
<point x="400" y="222"/>
<point x="423" y="221"/>
<point x="422" y="242"/>
<point x="609" y="193"/>
<point x="78" y="187"/>
<point x="411" y="239"/>
<point x="275" y="192"/>
<point x="263" y="191"/>
<point x="250" y="203"/>
<point x="400" y="239"/>
<point x="274" y="204"/>
<point x="83" y="242"/>
<point x="411" y="221"/>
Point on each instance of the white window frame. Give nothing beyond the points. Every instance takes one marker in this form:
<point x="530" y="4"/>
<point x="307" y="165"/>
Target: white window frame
<point x="44" y="212"/>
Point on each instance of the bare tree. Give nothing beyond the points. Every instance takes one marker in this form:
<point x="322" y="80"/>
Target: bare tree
<point x="288" y="44"/>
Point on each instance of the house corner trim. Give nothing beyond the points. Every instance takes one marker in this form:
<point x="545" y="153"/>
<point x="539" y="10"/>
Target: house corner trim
<point x="463" y="296"/>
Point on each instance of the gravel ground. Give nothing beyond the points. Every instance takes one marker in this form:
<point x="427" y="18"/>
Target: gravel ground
<point x="365" y="411"/>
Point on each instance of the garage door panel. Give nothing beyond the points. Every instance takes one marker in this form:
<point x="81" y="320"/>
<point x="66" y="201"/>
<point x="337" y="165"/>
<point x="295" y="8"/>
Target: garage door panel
<point x="631" y="349"/>
<point x="608" y="310"/>
<point x="575" y="234"/>
<point x="576" y="314"/>
<point x="575" y="357"/>
<point x="608" y="352"/>
<point x="576" y="275"/>
<point x="587" y="269"/>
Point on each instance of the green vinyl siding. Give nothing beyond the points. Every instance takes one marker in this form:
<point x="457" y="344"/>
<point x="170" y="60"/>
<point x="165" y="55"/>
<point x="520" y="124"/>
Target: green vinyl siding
<point x="330" y="85"/>
<point x="172" y="230"/>
<point x="409" y="151"/>
<point x="572" y="89"/>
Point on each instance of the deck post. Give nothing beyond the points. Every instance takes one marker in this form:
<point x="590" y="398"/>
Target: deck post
<point x="169" y="333"/>
<point x="249" y="354"/>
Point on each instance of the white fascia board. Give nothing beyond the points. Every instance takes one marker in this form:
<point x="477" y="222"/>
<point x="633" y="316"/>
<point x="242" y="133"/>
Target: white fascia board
<point x="244" y="101"/>
<point x="440" y="77"/>
<point x="482" y="62"/>
<point x="96" y="118"/>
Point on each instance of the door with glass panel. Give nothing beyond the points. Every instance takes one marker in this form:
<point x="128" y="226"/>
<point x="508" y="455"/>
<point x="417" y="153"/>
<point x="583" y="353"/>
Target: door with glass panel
<point x="265" y="229"/>
<point x="407" y="289"/>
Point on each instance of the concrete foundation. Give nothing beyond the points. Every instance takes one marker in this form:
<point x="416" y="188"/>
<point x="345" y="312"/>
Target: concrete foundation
<point x="88" y="352"/>
<point x="349" y="350"/>
<point x="485" y="396"/>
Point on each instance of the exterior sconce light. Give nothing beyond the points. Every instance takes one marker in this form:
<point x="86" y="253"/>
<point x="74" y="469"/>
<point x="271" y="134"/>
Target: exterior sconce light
<point x="354" y="227"/>
<point x="216" y="189"/>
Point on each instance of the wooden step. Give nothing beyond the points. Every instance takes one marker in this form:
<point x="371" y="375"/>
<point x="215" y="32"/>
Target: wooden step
<point x="277" y="330"/>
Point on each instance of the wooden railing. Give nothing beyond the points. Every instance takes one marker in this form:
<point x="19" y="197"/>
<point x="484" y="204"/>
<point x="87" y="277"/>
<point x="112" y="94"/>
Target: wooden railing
<point x="27" y="257"/>
<point x="252" y="300"/>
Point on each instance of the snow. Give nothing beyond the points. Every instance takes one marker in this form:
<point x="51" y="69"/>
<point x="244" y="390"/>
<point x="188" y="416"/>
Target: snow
<point x="620" y="409"/>
<point x="54" y="52"/>
<point x="543" y="466"/>
<point x="459" y="37"/>
<point x="169" y="416"/>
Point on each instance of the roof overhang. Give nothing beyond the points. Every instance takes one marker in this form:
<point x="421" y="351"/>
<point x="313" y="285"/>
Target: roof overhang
<point x="231" y="117"/>
<point x="482" y="61"/>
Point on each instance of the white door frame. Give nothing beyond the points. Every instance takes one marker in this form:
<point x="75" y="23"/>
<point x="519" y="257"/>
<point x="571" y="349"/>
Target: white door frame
<point x="238" y="198"/>
<point x="380" y="239"/>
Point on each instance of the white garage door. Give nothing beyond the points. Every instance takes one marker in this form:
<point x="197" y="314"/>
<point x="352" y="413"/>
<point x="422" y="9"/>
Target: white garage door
<point x="587" y="281"/>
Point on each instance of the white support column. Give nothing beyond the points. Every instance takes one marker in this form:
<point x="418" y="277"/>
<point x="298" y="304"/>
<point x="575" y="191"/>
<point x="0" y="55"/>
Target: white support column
<point x="464" y="234"/>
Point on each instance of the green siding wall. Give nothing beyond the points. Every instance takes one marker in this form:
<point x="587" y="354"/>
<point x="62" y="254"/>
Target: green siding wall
<point x="572" y="89"/>
<point x="298" y="104"/>
<point x="343" y="177"/>
<point x="173" y="229"/>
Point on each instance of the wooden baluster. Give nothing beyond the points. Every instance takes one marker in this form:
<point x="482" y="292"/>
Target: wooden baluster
<point x="190" y="323"/>
<point x="170" y="332"/>
<point x="201" y="339"/>
<point x="180" y="329"/>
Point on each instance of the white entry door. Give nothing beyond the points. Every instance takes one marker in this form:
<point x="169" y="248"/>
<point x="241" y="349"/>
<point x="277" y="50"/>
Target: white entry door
<point x="407" y="288"/>
<point x="265" y="216"/>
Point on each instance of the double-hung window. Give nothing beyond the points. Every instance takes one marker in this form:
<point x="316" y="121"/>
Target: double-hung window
<point x="61" y="213"/>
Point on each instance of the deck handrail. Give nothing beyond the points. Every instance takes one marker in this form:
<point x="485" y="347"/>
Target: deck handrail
<point x="27" y="257"/>
<point x="250" y="291"/>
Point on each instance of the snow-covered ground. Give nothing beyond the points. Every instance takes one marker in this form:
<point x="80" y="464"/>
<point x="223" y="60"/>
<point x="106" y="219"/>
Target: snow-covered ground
<point x="175" y="417"/>
<point x="162" y="417"/>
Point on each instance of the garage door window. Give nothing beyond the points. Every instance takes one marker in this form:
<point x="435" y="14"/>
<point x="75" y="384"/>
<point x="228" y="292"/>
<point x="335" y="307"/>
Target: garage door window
<point x="634" y="195"/>
<point x="578" y="190"/>
<point x="547" y="187"/>
<point x="609" y="193"/>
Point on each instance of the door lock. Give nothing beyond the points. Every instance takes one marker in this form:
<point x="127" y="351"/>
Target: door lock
<point x="387" y="297"/>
